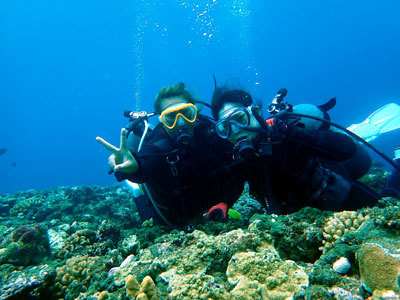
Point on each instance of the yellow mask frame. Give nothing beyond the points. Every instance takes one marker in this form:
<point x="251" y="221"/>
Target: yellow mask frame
<point x="176" y="111"/>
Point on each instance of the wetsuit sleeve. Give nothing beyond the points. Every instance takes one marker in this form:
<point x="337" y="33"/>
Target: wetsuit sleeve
<point x="150" y="165"/>
<point x="322" y="143"/>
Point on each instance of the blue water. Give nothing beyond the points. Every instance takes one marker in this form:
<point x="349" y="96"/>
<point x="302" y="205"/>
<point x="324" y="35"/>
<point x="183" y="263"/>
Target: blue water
<point x="68" y="69"/>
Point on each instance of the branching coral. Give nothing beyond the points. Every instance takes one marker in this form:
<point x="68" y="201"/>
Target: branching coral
<point x="146" y="291"/>
<point x="23" y="206"/>
<point x="75" y="276"/>
<point x="339" y="224"/>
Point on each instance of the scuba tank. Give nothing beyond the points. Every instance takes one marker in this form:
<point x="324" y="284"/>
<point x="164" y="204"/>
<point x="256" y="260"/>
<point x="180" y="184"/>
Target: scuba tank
<point x="311" y="110"/>
<point x="279" y="106"/>
<point x="309" y="116"/>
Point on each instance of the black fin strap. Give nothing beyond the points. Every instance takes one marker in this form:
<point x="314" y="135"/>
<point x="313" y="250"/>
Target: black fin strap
<point x="325" y="125"/>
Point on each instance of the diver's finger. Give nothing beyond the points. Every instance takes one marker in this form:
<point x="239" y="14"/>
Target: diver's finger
<point x="107" y="145"/>
<point x="111" y="161"/>
<point x="123" y="145"/>
<point x="125" y="165"/>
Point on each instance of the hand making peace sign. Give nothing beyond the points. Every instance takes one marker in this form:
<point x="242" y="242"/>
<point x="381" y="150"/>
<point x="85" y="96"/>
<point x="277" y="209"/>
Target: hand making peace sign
<point x="122" y="159"/>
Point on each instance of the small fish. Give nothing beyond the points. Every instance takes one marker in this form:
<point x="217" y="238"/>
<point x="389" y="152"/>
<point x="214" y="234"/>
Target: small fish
<point x="2" y="151"/>
<point x="13" y="164"/>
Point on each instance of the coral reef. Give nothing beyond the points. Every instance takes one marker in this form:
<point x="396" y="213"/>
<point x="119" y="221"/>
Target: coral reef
<point x="87" y="243"/>
<point x="379" y="267"/>
<point x="253" y="274"/>
<point x="148" y="290"/>
<point x="27" y="246"/>
<point x="15" y="283"/>
<point x="387" y="213"/>
<point x="75" y="276"/>
<point x="132" y="286"/>
<point x="25" y="207"/>
<point x="339" y="224"/>
<point x="376" y="179"/>
<point x="247" y="205"/>
<point x="297" y="236"/>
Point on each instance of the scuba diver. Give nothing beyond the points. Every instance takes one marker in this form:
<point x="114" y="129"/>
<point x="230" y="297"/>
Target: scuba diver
<point x="288" y="162"/>
<point x="180" y="164"/>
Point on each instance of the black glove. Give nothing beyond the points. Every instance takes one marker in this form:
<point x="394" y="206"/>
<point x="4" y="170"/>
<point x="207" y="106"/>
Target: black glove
<point x="277" y="129"/>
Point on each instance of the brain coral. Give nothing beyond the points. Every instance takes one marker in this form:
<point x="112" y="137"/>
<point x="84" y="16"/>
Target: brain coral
<point x="379" y="267"/>
<point x="254" y="274"/>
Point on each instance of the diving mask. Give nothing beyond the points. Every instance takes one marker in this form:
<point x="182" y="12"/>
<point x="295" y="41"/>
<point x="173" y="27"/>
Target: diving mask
<point x="233" y="121"/>
<point x="170" y="116"/>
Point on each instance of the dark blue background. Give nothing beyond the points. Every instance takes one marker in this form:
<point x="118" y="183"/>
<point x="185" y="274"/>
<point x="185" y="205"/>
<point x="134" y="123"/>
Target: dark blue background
<point x="68" y="69"/>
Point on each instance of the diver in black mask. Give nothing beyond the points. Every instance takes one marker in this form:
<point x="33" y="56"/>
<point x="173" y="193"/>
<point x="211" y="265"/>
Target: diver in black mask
<point x="288" y="166"/>
<point x="236" y="124"/>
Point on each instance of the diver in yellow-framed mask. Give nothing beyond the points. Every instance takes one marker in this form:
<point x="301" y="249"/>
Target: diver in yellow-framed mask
<point x="181" y="164"/>
<point x="179" y="119"/>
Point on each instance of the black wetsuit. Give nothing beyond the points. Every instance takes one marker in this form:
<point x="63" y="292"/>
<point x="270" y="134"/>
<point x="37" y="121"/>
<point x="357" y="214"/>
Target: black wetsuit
<point x="314" y="168"/>
<point x="392" y="188"/>
<point x="183" y="181"/>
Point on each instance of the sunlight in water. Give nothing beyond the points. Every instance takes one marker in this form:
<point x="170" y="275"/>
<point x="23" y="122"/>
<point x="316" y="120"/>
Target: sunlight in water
<point x="141" y="25"/>
<point x="138" y="53"/>
<point x="212" y="22"/>
<point x="201" y="16"/>
<point x="242" y="14"/>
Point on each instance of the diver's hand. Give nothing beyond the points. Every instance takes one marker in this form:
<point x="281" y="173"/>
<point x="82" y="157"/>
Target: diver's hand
<point x="122" y="159"/>
<point x="276" y="129"/>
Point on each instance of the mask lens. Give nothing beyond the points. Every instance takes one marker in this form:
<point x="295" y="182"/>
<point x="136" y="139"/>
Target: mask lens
<point x="222" y="128"/>
<point x="188" y="113"/>
<point x="169" y="118"/>
<point x="238" y="118"/>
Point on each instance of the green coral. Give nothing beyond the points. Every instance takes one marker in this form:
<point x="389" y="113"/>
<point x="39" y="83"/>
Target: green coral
<point x="77" y="275"/>
<point x="375" y="179"/>
<point x="25" y="206"/>
<point x="387" y="213"/>
<point x="264" y="273"/>
<point x="297" y="236"/>
<point x="27" y="246"/>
